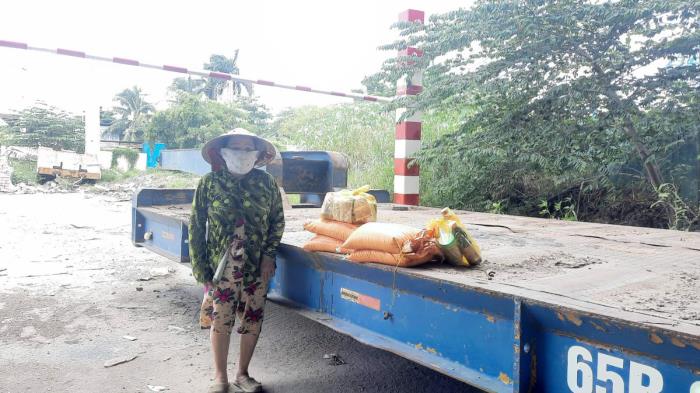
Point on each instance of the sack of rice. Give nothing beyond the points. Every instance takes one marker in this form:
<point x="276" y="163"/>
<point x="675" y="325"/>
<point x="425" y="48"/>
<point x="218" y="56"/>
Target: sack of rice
<point x="335" y="229"/>
<point x="325" y="244"/>
<point x="381" y="237"/>
<point x="401" y="260"/>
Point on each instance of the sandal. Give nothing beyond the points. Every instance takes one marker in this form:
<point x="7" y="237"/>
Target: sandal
<point x="247" y="384"/>
<point x="218" y="388"/>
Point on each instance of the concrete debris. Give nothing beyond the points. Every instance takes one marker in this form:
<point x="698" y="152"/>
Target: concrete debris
<point x="161" y="271"/>
<point x="175" y="329"/>
<point x="22" y="153"/>
<point x="157" y="388"/>
<point x="23" y="188"/>
<point x="5" y="173"/>
<point x="157" y="272"/>
<point x="50" y="187"/>
<point x="130" y="338"/>
<point x="334" y="359"/>
<point x="28" y="331"/>
<point x="41" y="339"/>
<point x="118" y="361"/>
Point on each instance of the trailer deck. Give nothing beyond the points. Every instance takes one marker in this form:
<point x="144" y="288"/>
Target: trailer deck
<point x="645" y="275"/>
<point x="555" y="306"/>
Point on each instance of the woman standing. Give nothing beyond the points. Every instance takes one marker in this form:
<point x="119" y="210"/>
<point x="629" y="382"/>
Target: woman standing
<point x="236" y="225"/>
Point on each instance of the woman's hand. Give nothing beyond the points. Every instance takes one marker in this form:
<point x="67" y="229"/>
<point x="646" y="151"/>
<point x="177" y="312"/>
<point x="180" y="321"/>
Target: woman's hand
<point x="267" y="268"/>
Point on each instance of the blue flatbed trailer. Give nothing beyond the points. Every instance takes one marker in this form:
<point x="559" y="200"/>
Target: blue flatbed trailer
<point x="555" y="306"/>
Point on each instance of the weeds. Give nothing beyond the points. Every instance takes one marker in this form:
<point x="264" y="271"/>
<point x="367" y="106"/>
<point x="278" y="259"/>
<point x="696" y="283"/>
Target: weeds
<point x="564" y="209"/>
<point x="681" y="216"/>
<point x="495" y="207"/>
<point x="113" y="175"/>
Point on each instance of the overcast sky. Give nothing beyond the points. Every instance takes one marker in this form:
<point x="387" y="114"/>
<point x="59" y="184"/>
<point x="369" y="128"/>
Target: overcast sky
<point x="322" y="44"/>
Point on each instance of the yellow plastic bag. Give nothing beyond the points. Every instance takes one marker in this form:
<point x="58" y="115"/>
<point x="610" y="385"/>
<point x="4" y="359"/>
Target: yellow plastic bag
<point x="353" y="207"/>
<point x="456" y="242"/>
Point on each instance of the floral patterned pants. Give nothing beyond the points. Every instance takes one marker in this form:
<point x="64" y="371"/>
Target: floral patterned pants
<point x="230" y="298"/>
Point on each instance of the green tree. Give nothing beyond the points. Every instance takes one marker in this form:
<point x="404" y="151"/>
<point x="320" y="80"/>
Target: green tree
<point x="192" y="120"/>
<point x="45" y="125"/>
<point x="132" y="111"/>
<point x="257" y="114"/>
<point x="106" y="117"/>
<point x="567" y="95"/>
<point x="213" y="88"/>
<point x="188" y="85"/>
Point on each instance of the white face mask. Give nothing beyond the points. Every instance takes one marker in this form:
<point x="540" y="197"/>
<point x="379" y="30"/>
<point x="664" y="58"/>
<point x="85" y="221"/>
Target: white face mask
<point x="239" y="162"/>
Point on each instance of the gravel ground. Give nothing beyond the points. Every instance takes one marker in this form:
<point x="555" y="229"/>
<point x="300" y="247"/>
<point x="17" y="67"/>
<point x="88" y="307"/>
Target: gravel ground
<point x="72" y="286"/>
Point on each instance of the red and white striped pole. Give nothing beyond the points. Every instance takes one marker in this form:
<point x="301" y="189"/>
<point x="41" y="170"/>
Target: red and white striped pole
<point x="408" y="130"/>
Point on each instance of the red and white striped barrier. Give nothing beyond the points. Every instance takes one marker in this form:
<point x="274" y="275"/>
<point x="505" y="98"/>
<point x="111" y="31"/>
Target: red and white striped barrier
<point x="184" y="70"/>
<point x="408" y="130"/>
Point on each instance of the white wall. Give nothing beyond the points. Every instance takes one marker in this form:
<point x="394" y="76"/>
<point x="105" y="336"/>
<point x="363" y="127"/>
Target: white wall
<point x="105" y="159"/>
<point x="142" y="162"/>
<point x="92" y="130"/>
<point x="123" y="163"/>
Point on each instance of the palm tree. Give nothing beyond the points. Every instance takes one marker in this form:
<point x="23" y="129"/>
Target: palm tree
<point x="213" y="88"/>
<point x="188" y="85"/>
<point x="132" y="112"/>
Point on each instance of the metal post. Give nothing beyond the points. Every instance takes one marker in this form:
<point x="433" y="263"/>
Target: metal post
<point x="408" y="130"/>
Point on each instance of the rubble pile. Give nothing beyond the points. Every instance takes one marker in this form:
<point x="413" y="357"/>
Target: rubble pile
<point x="5" y="174"/>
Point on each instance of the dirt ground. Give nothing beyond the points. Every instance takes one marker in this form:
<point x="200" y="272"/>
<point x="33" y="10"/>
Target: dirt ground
<point x="72" y="287"/>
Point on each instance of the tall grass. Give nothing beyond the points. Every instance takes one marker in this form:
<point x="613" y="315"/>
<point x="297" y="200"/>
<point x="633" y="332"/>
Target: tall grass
<point x="361" y="131"/>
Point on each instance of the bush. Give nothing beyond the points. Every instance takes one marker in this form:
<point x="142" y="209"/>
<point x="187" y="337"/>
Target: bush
<point x="131" y="155"/>
<point x="23" y="171"/>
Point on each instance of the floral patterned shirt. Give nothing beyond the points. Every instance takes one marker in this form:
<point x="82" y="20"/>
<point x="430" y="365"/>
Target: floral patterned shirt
<point x="221" y="203"/>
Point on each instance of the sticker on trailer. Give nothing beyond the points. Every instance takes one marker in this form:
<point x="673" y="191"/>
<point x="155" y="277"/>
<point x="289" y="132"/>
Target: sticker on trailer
<point x="363" y="300"/>
<point x="613" y="374"/>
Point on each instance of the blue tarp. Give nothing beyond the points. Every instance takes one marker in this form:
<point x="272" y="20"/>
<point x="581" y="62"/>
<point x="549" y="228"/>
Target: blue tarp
<point x="152" y="154"/>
